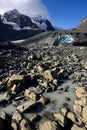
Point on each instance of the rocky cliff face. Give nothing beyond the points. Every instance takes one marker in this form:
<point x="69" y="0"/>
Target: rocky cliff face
<point x="25" y="21"/>
<point x="43" y="23"/>
<point x="83" y="25"/>
<point x="11" y="31"/>
<point x="19" y="19"/>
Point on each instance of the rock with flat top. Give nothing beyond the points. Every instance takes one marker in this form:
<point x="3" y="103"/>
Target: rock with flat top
<point x="15" y="79"/>
<point x="27" y="106"/>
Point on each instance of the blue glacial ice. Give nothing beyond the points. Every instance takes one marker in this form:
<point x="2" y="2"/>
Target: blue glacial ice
<point x="65" y="39"/>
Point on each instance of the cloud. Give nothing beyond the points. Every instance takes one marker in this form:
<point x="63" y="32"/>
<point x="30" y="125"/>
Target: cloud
<point x="28" y="7"/>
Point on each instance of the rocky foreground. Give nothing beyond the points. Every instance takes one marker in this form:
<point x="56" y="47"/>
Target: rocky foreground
<point x="35" y="80"/>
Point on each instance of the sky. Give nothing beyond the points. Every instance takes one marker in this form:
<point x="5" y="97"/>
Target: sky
<point x="62" y="13"/>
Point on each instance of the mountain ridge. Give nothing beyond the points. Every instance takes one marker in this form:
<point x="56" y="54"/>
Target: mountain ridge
<point x="25" y="21"/>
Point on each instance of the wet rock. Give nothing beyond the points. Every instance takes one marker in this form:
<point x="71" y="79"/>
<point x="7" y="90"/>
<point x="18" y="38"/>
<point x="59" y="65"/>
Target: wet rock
<point x="49" y="125"/>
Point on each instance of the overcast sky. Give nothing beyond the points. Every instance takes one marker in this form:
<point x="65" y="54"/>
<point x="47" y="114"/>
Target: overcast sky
<point x="28" y="7"/>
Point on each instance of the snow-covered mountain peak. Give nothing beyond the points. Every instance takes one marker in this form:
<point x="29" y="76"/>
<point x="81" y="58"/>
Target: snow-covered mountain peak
<point x="42" y="22"/>
<point x="39" y="18"/>
<point x="12" y="13"/>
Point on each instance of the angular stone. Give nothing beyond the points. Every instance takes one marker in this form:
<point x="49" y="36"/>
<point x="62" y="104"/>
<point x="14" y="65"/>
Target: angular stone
<point x="71" y="116"/>
<point x="24" y="125"/>
<point x="3" y="115"/>
<point x="8" y="95"/>
<point x="81" y="92"/>
<point x="31" y="95"/>
<point x="35" y="118"/>
<point x="61" y="119"/>
<point x="15" y="79"/>
<point x="27" y="106"/>
<point x="17" y="117"/>
<point x="81" y="102"/>
<point x="48" y="75"/>
<point x="14" y="126"/>
<point x="86" y="66"/>
<point x="64" y="111"/>
<point x="75" y="127"/>
<point x="44" y="100"/>
<point x="84" y="114"/>
<point x="49" y="125"/>
<point x="77" y="109"/>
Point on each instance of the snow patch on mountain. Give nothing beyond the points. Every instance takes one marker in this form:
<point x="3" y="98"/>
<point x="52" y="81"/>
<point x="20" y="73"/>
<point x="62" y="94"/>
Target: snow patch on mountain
<point x="40" y="22"/>
<point x="14" y="25"/>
